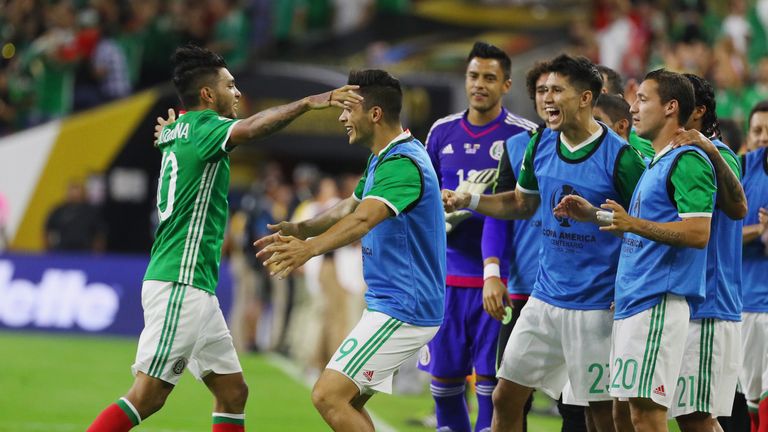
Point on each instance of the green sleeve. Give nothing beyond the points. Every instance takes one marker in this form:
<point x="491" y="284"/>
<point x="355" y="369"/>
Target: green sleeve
<point x="397" y="182"/>
<point x="358" y="193"/>
<point x="732" y="160"/>
<point x="527" y="179"/>
<point x="631" y="167"/>
<point x="211" y="135"/>
<point x="695" y="187"/>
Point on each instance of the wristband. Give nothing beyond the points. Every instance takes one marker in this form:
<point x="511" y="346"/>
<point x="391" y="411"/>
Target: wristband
<point x="474" y="200"/>
<point x="491" y="270"/>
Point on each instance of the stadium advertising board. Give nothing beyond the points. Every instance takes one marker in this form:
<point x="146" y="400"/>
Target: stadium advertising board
<point x="78" y="293"/>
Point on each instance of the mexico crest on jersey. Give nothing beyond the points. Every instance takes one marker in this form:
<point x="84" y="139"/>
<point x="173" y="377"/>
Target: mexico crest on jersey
<point x="497" y="149"/>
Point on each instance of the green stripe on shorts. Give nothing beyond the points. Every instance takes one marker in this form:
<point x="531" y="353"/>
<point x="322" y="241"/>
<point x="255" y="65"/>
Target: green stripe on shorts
<point x="706" y="343"/>
<point x="172" y="314"/>
<point x="652" y="346"/>
<point x="373" y="349"/>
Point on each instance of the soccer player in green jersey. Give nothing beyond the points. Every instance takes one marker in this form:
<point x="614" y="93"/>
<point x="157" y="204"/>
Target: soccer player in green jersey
<point x="184" y="325"/>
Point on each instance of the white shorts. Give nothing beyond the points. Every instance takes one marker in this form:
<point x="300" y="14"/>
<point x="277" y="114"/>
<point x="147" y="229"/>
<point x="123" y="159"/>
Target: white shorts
<point x="549" y="345"/>
<point x="647" y="351"/>
<point x="374" y="350"/>
<point x="754" y="344"/>
<point x="183" y="326"/>
<point x="710" y="370"/>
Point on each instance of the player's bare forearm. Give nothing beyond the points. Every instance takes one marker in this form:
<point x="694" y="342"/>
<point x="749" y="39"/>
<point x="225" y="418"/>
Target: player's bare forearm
<point x="730" y="193"/>
<point x="350" y="228"/>
<point x="690" y="232"/>
<point x="752" y="232"/>
<point x="322" y="222"/>
<point x="509" y="205"/>
<point x="267" y="122"/>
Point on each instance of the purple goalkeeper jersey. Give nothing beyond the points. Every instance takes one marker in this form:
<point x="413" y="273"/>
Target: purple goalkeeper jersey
<point x="458" y="149"/>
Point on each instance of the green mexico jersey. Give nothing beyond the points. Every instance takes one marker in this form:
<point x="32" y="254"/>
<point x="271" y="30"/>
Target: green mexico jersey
<point x="192" y="200"/>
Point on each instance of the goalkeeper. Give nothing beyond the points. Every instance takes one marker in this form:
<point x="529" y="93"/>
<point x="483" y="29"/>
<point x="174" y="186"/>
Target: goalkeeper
<point x="465" y="149"/>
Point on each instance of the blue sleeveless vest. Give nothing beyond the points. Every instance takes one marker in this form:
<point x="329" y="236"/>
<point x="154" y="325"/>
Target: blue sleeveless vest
<point x="723" y="298"/>
<point x="404" y="256"/>
<point x="648" y="269"/>
<point x="755" y="264"/>
<point x="578" y="262"/>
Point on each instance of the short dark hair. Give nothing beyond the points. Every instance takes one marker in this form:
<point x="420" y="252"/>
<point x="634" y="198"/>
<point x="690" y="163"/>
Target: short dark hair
<point x="381" y="89"/>
<point x="534" y="73"/>
<point x="761" y="106"/>
<point x="704" y="95"/>
<point x="581" y="73"/>
<point x="614" y="107"/>
<point x="732" y="135"/>
<point x="674" y="86"/>
<point x="193" y="68"/>
<point x="614" y="82"/>
<point x="487" y="51"/>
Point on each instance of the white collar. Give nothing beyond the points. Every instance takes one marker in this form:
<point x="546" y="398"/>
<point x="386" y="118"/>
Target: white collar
<point x="663" y="151"/>
<point x="582" y="144"/>
<point x="406" y="134"/>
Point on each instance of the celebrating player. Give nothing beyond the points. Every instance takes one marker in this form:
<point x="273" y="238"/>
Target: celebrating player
<point x="570" y="301"/>
<point x="184" y="325"/>
<point x="397" y="211"/>
<point x="461" y="146"/>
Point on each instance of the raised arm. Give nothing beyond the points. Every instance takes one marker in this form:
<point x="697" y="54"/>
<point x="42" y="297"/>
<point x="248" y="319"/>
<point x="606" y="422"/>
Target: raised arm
<point x="271" y="120"/>
<point x="730" y="193"/>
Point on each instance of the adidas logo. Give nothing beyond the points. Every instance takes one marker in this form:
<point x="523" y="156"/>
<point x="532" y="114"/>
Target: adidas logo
<point x="368" y="374"/>
<point x="660" y="391"/>
<point x="448" y="149"/>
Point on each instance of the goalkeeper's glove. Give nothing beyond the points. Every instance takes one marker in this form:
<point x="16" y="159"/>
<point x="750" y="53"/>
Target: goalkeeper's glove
<point x="476" y="183"/>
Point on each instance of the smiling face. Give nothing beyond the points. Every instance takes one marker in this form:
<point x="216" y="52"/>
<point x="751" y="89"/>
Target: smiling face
<point x="757" y="136"/>
<point x="227" y="96"/>
<point x="540" y="92"/>
<point x="562" y="102"/>
<point x="485" y="84"/>
<point x="647" y="111"/>
<point x="357" y="124"/>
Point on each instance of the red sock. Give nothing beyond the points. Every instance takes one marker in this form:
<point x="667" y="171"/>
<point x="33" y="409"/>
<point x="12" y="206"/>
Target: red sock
<point x="762" y="413"/>
<point x="754" y="419"/>
<point x="118" y="417"/>
<point x="228" y="422"/>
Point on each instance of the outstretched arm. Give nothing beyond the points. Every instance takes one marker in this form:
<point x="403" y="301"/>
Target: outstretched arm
<point x="730" y="193"/>
<point x="506" y="205"/>
<point x="318" y="224"/>
<point x="690" y="232"/>
<point x="271" y="120"/>
<point x="285" y="254"/>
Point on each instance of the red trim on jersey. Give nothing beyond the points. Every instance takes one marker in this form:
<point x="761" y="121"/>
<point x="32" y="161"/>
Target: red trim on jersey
<point x="467" y="281"/>
<point x="519" y="297"/>
<point x="478" y="135"/>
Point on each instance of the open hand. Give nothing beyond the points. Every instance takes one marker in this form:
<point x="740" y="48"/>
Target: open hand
<point x="621" y="221"/>
<point x="694" y="138"/>
<point x="341" y="97"/>
<point x="576" y="208"/>
<point x="283" y="254"/>
<point x="161" y="123"/>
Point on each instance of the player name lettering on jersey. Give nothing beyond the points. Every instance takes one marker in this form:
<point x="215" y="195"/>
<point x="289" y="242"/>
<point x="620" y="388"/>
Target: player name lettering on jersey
<point x="180" y="130"/>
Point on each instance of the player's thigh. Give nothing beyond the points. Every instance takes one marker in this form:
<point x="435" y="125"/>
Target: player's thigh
<point x="214" y="351"/>
<point x="587" y="347"/>
<point x="171" y="329"/>
<point x="754" y="343"/>
<point x="376" y="348"/>
<point x="534" y="354"/>
<point x="448" y="354"/>
<point x="708" y="375"/>
<point x="647" y="351"/>
<point x="483" y="330"/>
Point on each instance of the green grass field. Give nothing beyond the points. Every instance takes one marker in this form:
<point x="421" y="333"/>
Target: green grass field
<point x="59" y="383"/>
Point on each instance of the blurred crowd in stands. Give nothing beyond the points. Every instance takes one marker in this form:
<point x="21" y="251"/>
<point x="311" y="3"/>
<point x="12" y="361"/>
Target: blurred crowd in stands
<point x="60" y="56"/>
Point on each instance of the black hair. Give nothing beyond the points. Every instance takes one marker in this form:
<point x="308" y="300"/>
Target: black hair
<point x="534" y="73"/>
<point x="381" y="89"/>
<point x="614" y="107"/>
<point x="731" y="133"/>
<point x="704" y="95"/>
<point x="674" y="86"/>
<point x="193" y="68"/>
<point x="485" y="50"/>
<point x="581" y="73"/>
<point x="614" y="83"/>
<point x="761" y="106"/>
